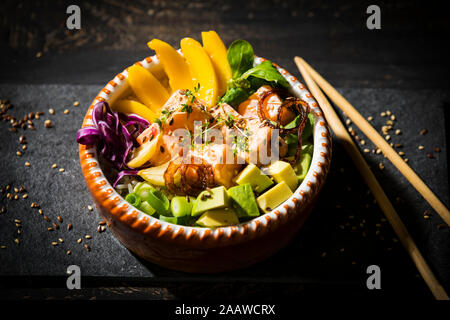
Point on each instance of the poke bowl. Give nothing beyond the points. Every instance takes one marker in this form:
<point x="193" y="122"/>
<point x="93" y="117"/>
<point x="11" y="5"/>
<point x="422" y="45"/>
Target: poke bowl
<point x="195" y="204"/>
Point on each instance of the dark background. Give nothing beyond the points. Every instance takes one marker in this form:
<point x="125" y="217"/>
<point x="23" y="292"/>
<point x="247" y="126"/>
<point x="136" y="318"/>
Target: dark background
<point x="402" y="67"/>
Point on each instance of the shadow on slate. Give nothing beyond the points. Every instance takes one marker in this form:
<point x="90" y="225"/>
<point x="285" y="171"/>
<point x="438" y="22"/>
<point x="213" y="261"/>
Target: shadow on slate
<point x="345" y="234"/>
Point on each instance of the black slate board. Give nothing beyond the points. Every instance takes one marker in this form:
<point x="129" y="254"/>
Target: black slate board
<point x="314" y="257"/>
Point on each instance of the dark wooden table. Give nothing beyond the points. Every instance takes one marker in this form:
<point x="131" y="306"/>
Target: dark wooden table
<point x="401" y="68"/>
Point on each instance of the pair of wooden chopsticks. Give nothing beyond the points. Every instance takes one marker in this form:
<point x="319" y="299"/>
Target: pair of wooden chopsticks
<point x="311" y="78"/>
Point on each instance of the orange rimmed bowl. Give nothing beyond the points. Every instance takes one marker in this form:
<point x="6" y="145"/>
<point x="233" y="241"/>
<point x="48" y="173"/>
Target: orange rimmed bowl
<point x="205" y="250"/>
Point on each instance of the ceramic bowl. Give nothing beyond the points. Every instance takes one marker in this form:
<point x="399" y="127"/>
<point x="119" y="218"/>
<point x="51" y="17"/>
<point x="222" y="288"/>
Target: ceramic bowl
<point x="205" y="250"/>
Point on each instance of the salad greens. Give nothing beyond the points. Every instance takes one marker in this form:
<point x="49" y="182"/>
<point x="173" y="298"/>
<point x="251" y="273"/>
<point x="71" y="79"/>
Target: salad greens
<point x="246" y="77"/>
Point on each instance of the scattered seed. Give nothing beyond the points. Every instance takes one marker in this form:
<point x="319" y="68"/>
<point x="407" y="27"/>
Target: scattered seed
<point x="398" y="131"/>
<point x="50" y="229"/>
<point x="24" y="147"/>
<point x="348" y="121"/>
<point x="54" y="243"/>
<point x="55" y="225"/>
<point x="16" y="241"/>
<point x="19" y="153"/>
<point x="420" y="147"/>
<point x="378" y="151"/>
<point x="366" y="150"/>
<point x="90" y="208"/>
<point x="51" y="111"/>
<point x="79" y="240"/>
<point x="383" y="114"/>
<point x="48" y="123"/>
<point x="59" y="218"/>
<point x="61" y="240"/>
<point x="399" y="145"/>
<point x="324" y="254"/>
<point x="423" y="131"/>
<point x="102" y="223"/>
<point x="406" y="159"/>
<point x="88" y="236"/>
<point x="68" y="252"/>
<point x="27" y="164"/>
<point x="66" y="111"/>
<point x="41" y="212"/>
<point x="437" y="149"/>
<point x="69" y="226"/>
<point x="388" y="112"/>
<point x="62" y="170"/>
<point x="76" y="104"/>
<point x="16" y="197"/>
<point x="426" y="217"/>
<point x="54" y="166"/>
<point x="25" y="196"/>
<point x="16" y="190"/>
<point x="370" y="118"/>
<point x="381" y="166"/>
<point x="363" y="142"/>
<point x="430" y="156"/>
<point x="401" y="153"/>
<point x="86" y="246"/>
<point x="17" y="221"/>
<point x="47" y="219"/>
<point x="388" y="137"/>
<point x="39" y="54"/>
<point x="3" y="247"/>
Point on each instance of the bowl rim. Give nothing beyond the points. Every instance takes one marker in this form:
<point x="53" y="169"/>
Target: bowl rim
<point x="111" y="200"/>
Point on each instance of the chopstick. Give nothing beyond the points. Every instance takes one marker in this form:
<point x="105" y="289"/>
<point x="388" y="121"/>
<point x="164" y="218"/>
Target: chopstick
<point x="368" y="176"/>
<point x="378" y="140"/>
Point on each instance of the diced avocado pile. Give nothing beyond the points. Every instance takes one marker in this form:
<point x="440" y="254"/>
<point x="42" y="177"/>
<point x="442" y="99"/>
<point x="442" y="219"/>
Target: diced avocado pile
<point x="255" y="193"/>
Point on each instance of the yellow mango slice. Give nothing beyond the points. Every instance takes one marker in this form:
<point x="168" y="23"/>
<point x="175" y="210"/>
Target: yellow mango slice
<point x="202" y="70"/>
<point x="131" y="106"/>
<point x="174" y="64"/>
<point x="155" y="175"/>
<point x="144" y="153"/>
<point x="217" y="51"/>
<point x="147" y="88"/>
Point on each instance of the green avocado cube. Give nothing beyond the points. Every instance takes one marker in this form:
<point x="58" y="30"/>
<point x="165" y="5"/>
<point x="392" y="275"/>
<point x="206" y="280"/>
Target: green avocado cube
<point x="283" y="171"/>
<point x="215" y="198"/>
<point x="251" y="174"/>
<point x="274" y="197"/>
<point x="244" y="200"/>
<point x="218" y="218"/>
